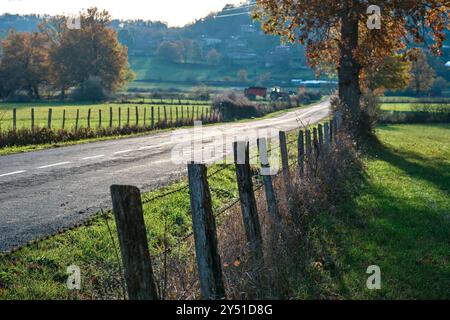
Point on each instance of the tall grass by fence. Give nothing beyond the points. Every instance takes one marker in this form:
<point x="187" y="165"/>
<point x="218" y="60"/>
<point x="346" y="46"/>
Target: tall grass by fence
<point x="210" y="268"/>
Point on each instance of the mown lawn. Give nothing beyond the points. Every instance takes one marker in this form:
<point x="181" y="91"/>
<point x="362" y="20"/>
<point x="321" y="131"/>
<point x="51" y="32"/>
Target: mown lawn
<point x="400" y="221"/>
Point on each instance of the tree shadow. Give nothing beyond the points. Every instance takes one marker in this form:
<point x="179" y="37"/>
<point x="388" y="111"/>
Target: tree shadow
<point x="434" y="171"/>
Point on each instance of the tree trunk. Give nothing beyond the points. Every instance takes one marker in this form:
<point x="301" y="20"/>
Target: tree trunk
<point x="349" y="71"/>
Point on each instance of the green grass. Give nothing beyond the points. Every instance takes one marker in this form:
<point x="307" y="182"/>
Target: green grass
<point x="411" y="106"/>
<point x="400" y="221"/>
<point x="41" y="114"/>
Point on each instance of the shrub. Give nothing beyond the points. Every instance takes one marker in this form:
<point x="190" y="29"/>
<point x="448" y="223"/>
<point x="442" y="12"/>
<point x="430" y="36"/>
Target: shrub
<point x="236" y="106"/>
<point x="91" y="90"/>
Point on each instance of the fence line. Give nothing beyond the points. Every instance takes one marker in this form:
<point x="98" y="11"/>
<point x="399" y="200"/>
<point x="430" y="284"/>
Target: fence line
<point x="33" y="118"/>
<point x="203" y="216"/>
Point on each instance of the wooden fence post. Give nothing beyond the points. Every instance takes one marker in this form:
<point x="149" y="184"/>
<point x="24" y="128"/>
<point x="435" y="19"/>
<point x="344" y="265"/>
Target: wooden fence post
<point x="171" y="116"/>
<point x="32" y="119"/>
<point x="49" y="120"/>
<point x="137" y="116"/>
<point x="145" y="116"/>
<point x="153" y="117"/>
<point x="128" y="116"/>
<point x="247" y="198"/>
<point x="77" y="119"/>
<point x="159" y="116"/>
<point x="332" y="131"/>
<point x="188" y="116"/>
<point x="110" y="117"/>
<point x="165" y="116"/>
<point x="14" y="119"/>
<point x="64" y="119"/>
<point x="89" y="118"/>
<point x="320" y="129"/>
<point x="315" y="143"/>
<point x="176" y="121"/>
<point x="326" y="129"/>
<point x="301" y="153"/>
<point x="308" y="150"/>
<point x="99" y="118"/>
<point x="182" y="114"/>
<point x="271" y="199"/>
<point x="204" y="227"/>
<point x="120" y="117"/>
<point x="127" y="208"/>
<point x="285" y="166"/>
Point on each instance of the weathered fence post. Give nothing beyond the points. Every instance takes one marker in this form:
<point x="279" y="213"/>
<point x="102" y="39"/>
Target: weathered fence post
<point x="326" y="129"/>
<point x="247" y="198"/>
<point x="315" y="143"/>
<point x="137" y="116"/>
<point x="110" y="117"/>
<point x="332" y="129"/>
<point x="77" y="119"/>
<point x="32" y="119"/>
<point x="204" y="227"/>
<point x="128" y="116"/>
<point x="320" y="128"/>
<point x="127" y="208"/>
<point x="301" y="153"/>
<point x="159" y="116"/>
<point x="99" y="118"/>
<point x="171" y="116"/>
<point x="285" y="166"/>
<point x="89" y="118"/>
<point x="14" y="119"/>
<point x="145" y="116"/>
<point x="165" y="116"/>
<point x="308" y="145"/>
<point x="120" y="117"/>
<point x="153" y="117"/>
<point x="182" y="114"/>
<point x="188" y="116"/>
<point x="176" y="121"/>
<point x="49" y="122"/>
<point x="271" y="199"/>
<point x="64" y="119"/>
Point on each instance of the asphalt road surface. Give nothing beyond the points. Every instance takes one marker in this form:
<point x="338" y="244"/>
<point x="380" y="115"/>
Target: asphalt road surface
<point x="42" y="192"/>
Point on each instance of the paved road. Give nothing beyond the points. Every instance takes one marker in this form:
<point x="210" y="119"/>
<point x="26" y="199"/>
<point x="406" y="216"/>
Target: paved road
<point x="41" y="192"/>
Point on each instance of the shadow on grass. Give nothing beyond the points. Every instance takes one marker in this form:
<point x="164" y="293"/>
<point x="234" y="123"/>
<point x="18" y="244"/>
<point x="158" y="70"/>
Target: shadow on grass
<point x="405" y="233"/>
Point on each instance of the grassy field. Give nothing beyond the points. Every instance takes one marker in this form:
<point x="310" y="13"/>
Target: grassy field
<point x="42" y="109"/>
<point x="400" y="221"/>
<point x="413" y="106"/>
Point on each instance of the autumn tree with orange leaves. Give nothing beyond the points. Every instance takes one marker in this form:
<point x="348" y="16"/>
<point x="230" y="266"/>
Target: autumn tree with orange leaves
<point x="339" y="34"/>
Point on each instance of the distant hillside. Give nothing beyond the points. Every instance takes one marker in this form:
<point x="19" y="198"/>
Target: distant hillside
<point x="225" y="48"/>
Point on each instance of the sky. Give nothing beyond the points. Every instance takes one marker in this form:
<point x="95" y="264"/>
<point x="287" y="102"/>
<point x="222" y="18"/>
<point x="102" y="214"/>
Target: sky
<point x="175" y="12"/>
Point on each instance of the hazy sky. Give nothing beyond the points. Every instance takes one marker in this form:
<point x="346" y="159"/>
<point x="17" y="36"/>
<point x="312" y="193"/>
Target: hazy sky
<point x="175" y="12"/>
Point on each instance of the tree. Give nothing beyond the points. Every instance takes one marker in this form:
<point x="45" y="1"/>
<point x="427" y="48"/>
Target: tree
<point x="337" y="33"/>
<point x="92" y="51"/>
<point x="25" y="64"/>
<point x="393" y="74"/>
<point x="213" y="57"/>
<point x="439" y="85"/>
<point x="170" y="52"/>
<point x="422" y="75"/>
